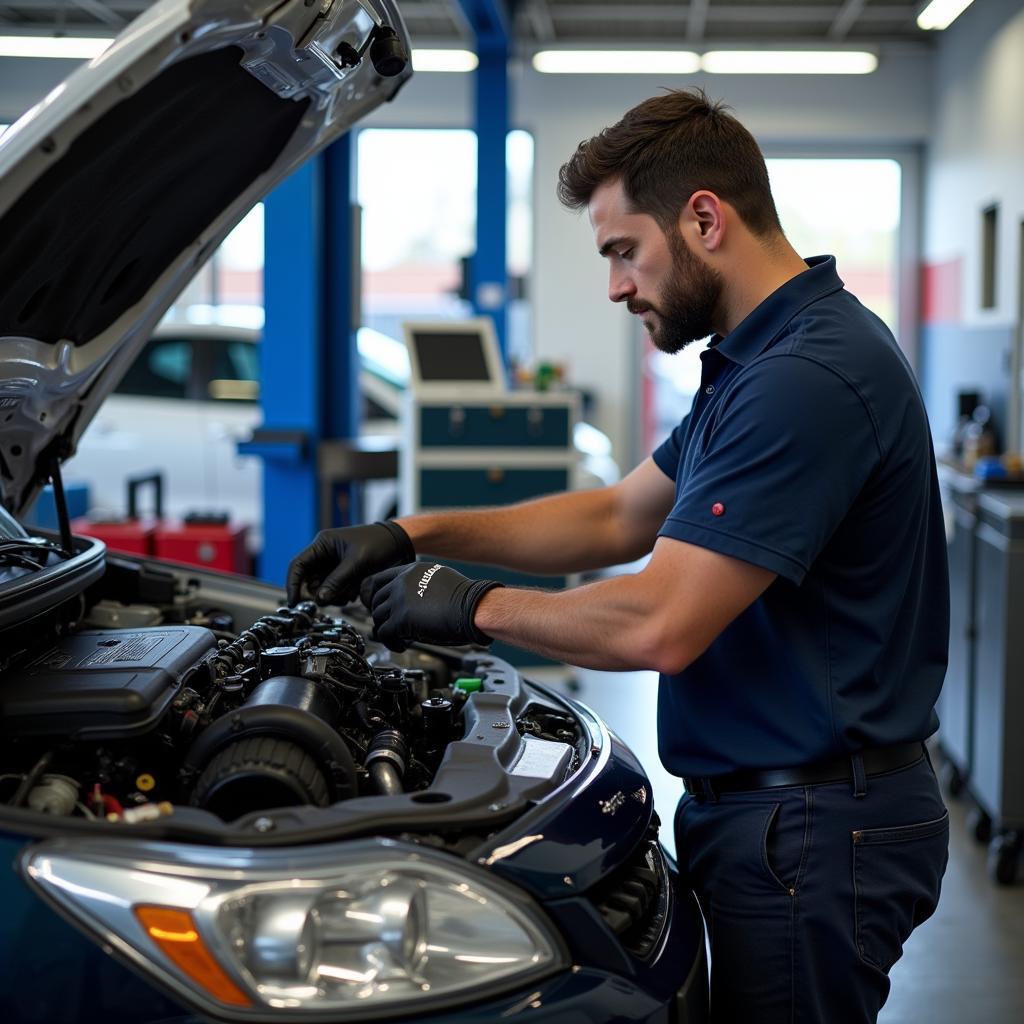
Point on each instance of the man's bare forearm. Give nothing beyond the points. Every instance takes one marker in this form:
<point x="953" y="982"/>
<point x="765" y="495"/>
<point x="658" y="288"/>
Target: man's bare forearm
<point x="559" y="534"/>
<point x="660" y="618"/>
<point x="606" y="625"/>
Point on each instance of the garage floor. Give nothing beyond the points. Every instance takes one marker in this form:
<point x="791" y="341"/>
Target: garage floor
<point x="964" y="965"/>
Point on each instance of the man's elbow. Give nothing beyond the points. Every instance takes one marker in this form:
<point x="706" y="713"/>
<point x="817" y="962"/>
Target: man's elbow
<point x="667" y="652"/>
<point x="672" y="662"/>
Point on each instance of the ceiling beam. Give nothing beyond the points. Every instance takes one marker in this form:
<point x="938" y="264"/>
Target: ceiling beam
<point x="697" y="19"/>
<point x="733" y="13"/>
<point x="489" y="21"/>
<point x="101" y="12"/>
<point x="428" y="9"/>
<point x="539" y="15"/>
<point x="848" y="14"/>
<point x="131" y="7"/>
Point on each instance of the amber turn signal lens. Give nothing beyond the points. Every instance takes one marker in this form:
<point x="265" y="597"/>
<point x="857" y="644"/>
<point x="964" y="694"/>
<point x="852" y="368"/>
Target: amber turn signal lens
<point x="175" y="933"/>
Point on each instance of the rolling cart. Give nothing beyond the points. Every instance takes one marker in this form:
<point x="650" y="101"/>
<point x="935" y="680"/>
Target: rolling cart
<point x="956" y="701"/>
<point x="981" y="707"/>
<point x="996" y="779"/>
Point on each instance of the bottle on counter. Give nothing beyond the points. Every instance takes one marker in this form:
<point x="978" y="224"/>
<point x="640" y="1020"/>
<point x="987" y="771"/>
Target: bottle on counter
<point x="979" y="438"/>
<point x="967" y="402"/>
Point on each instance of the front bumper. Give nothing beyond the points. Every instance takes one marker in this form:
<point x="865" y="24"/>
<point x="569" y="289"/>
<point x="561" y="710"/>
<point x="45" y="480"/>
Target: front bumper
<point x="50" y="973"/>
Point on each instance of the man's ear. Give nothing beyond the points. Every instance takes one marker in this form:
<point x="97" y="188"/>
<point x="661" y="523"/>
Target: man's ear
<point x="703" y="220"/>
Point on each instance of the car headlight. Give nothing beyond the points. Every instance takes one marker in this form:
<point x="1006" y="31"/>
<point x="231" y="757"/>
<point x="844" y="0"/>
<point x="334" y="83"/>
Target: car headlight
<point x="360" y="929"/>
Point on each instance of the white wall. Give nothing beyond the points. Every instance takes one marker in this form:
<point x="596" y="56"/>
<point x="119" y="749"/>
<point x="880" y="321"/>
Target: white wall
<point x="976" y="158"/>
<point x="573" y="321"/>
<point x="976" y="155"/>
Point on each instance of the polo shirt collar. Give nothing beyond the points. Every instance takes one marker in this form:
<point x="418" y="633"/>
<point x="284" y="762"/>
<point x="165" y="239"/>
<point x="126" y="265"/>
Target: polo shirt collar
<point x="764" y="324"/>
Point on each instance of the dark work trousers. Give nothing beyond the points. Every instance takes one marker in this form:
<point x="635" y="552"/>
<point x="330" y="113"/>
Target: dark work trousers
<point x="809" y="892"/>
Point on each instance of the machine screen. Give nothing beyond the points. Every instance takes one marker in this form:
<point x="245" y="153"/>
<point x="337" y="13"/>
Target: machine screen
<point x="451" y="355"/>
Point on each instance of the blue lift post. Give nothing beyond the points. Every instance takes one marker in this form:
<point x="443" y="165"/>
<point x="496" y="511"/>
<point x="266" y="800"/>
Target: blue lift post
<point x="309" y="371"/>
<point x="488" y="273"/>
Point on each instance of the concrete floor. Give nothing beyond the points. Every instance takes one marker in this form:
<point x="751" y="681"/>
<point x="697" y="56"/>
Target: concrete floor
<point x="963" y="966"/>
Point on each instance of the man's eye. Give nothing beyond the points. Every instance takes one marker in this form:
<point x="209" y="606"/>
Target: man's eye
<point x="627" y="255"/>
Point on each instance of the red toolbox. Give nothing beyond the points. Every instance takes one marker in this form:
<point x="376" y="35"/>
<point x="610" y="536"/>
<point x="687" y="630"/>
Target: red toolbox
<point x="212" y="543"/>
<point x="129" y="536"/>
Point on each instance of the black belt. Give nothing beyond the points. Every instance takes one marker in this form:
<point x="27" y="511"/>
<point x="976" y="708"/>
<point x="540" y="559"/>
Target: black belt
<point x="840" y="769"/>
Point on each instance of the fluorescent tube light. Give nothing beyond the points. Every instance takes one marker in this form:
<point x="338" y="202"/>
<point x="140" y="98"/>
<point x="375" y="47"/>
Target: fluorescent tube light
<point x="616" y="62"/>
<point x="444" y="60"/>
<point x="82" y="48"/>
<point x="789" y="62"/>
<point x="941" y="14"/>
<point x="68" y="47"/>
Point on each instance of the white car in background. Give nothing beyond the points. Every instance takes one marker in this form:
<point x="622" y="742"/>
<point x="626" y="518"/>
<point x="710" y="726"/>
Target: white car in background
<point x="193" y="393"/>
<point x="190" y="397"/>
<point x="187" y="400"/>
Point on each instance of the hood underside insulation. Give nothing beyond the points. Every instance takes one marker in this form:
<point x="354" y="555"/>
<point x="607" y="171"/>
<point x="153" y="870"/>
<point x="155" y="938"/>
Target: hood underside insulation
<point x="93" y="234"/>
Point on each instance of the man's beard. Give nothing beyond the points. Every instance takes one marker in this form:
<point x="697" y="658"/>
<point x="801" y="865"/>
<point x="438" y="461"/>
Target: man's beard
<point x="689" y="300"/>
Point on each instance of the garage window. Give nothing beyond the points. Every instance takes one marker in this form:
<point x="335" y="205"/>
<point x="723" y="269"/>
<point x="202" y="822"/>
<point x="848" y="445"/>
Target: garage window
<point x="416" y="239"/>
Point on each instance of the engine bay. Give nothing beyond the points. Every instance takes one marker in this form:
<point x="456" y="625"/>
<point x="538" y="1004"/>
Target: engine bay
<point x="148" y="700"/>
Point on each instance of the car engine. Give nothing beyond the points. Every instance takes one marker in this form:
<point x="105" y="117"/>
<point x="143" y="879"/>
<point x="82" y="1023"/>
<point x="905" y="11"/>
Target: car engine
<point x="135" y="711"/>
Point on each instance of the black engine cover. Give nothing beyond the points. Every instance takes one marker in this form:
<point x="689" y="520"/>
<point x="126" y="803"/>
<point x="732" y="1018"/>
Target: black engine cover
<point x="102" y="684"/>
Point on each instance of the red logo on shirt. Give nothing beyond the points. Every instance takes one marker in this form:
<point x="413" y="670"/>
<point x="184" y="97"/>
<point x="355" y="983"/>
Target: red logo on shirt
<point x="718" y="509"/>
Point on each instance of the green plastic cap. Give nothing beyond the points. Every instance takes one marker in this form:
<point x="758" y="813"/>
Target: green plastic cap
<point x="470" y="684"/>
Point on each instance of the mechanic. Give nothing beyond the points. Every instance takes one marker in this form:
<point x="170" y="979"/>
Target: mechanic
<point x="795" y="601"/>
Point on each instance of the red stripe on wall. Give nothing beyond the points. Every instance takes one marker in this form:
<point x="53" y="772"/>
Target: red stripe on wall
<point x="941" y="290"/>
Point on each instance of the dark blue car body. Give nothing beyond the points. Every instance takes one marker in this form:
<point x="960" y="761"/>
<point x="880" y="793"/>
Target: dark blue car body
<point x="51" y="973"/>
<point x="593" y="831"/>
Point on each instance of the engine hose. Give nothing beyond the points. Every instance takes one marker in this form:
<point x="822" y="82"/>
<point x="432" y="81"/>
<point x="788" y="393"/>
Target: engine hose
<point x="386" y="760"/>
<point x="283" y="624"/>
<point x="385" y="778"/>
<point x="31" y="778"/>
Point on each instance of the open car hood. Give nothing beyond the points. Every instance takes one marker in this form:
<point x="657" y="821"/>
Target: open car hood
<point x="122" y="182"/>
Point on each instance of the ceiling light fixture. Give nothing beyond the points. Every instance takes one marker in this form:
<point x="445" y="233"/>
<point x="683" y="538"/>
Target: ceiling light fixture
<point x="789" y="62"/>
<point x="616" y="62"/>
<point x="67" y="47"/>
<point x="444" y="60"/>
<point x="940" y="14"/>
<point x="83" y="48"/>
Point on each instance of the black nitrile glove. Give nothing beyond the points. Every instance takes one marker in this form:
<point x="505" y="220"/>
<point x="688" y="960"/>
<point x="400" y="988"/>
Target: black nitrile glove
<point x="431" y="603"/>
<point x="334" y="566"/>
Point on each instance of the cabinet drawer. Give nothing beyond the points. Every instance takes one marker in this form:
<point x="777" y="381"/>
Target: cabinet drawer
<point x="497" y="426"/>
<point x="450" y="488"/>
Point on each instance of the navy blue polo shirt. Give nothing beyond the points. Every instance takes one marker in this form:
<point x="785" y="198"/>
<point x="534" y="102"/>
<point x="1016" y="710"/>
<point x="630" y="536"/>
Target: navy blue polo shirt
<point x="807" y="452"/>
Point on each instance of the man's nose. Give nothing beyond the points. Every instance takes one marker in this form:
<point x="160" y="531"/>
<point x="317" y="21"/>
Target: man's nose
<point x="620" y="287"/>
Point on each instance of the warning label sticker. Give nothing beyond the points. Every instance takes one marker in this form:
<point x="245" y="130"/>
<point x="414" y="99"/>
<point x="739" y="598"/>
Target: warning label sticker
<point x="128" y="648"/>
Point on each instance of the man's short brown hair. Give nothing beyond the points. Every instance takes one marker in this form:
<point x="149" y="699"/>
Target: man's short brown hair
<point x="667" y="148"/>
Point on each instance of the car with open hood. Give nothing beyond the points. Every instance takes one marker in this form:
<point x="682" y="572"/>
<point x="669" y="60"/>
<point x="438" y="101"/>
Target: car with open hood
<point x="214" y="806"/>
